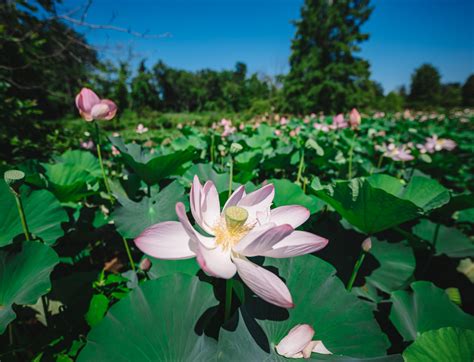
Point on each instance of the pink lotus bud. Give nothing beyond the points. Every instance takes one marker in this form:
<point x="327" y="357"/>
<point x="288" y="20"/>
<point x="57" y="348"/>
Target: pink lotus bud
<point x="367" y="245"/>
<point x="355" y="118"/>
<point x="145" y="264"/>
<point x="91" y="107"/>
<point x="277" y="132"/>
<point x="115" y="151"/>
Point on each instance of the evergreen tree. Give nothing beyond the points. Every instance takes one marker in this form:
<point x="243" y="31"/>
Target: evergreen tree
<point x="143" y="96"/>
<point x="425" y="88"/>
<point x="121" y="88"/>
<point x="468" y="92"/>
<point x="451" y="95"/>
<point x="325" y="74"/>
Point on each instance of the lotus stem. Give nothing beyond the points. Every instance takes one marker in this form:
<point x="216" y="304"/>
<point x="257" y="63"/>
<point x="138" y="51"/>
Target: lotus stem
<point x="357" y="266"/>
<point x="129" y="254"/>
<point x="21" y="211"/>
<point x="231" y="174"/>
<point x="300" y="167"/>
<point x="99" y="155"/>
<point x="351" y="152"/>
<point x="228" y="298"/>
<point x="212" y="148"/>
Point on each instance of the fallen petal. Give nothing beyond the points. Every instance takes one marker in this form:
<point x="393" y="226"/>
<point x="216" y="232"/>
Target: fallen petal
<point x="295" y="341"/>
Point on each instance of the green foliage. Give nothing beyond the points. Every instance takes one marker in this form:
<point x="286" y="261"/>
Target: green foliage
<point x="468" y="92"/>
<point x="325" y="74"/>
<point x="425" y="88"/>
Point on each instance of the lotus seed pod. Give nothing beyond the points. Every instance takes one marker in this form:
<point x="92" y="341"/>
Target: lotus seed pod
<point x="235" y="147"/>
<point x="367" y="245"/>
<point x="14" y="179"/>
<point x="235" y="216"/>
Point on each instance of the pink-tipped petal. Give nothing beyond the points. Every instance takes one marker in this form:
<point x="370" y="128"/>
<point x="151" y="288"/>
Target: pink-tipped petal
<point x="295" y="341"/>
<point x="195" y="199"/>
<point x="264" y="283"/>
<point x="216" y="261"/>
<point x="100" y="111"/>
<point x="297" y="243"/>
<point x="210" y="206"/>
<point x="236" y="196"/>
<point x="112" y="109"/>
<point x="258" y="201"/>
<point x="166" y="240"/>
<point x="86" y="99"/>
<point x="294" y="215"/>
<point x="258" y="243"/>
<point x="319" y="347"/>
<point x="196" y="237"/>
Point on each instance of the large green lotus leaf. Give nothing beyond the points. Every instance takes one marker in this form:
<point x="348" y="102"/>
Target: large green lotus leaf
<point x="449" y="241"/>
<point x="289" y="193"/>
<point x="71" y="176"/>
<point x="321" y="301"/>
<point x="247" y="343"/>
<point x="426" y="193"/>
<point x="155" y="322"/>
<point x="43" y="211"/>
<point x="397" y="264"/>
<point x="160" y="268"/>
<point x="366" y="205"/>
<point x="131" y="218"/>
<point x="465" y="216"/>
<point x="426" y="307"/>
<point x="24" y="277"/>
<point x="444" y="344"/>
<point x="248" y="160"/>
<point x="151" y="168"/>
<point x="206" y="172"/>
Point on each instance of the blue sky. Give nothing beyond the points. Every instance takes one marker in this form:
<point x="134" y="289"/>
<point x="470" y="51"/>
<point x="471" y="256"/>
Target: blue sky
<point x="218" y="33"/>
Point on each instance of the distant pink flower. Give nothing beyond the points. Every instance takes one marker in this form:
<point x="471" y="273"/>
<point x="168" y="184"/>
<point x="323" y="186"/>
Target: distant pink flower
<point x="434" y="144"/>
<point x="115" y="151"/>
<point x="396" y="153"/>
<point x="241" y="126"/>
<point x="339" y="122"/>
<point x="283" y="121"/>
<point x="277" y="132"/>
<point x="116" y="134"/>
<point x="141" y="129"/>
<point x="89" y="145"/>
<point x="245" y="227"/>
<point x="179" y="126"/>
<point x="298" y="343"/>
<point x="91" y="107"/>
<point x="354" y="119"/>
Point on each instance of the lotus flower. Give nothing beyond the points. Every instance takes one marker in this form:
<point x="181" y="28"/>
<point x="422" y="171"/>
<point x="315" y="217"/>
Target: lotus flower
<point x="141" y="129"/>
<point x="245" y="227"/>
<point x="339" y="122"/>
<point x="354" y="118"/>
<point x="91" y="107"/>
<point x="298" y="343"/>
<point x="396" y="153"/>
<point x="434" y="144"/>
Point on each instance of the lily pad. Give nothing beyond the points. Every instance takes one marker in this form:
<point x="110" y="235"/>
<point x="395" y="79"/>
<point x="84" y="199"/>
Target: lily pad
<point x="397" y="264"/>
<point x="152" y="168"/>
<point x="24" y="277"/>
<point x="160" y="268"/>
<point x="449" y="241"/>
<point x="321" y="301"/>
<point x="44" y="215"/>
<point x="289" y="193"/>
<point x="425" y="308"/>
<point x="379" y="202"/>
<point x="73" y="175"/>
<point x="150" y="325"/>
<point x="444" y="344"/>
<point x="131" y="218"/>
<point x="206" y="172"/>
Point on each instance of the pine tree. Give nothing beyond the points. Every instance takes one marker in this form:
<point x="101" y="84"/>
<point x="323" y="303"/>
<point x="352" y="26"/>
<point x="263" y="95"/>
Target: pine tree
<point x="468" y="92"/>
<point x="425" y="88"/>
<point x="325" y="74"/>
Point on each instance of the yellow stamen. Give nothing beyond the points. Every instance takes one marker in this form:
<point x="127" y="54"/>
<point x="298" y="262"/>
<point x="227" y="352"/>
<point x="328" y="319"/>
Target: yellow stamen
<point x="232" y="228"/>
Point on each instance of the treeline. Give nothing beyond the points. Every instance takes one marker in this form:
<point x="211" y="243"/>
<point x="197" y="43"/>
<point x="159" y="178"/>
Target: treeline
<point x="168" y="89"/>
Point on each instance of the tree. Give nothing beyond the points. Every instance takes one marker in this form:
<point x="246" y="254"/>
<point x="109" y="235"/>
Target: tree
<point x="451" y="95"/>
<point x="468" y="92"/>
<point x="120" y="92"/>
<point x="324" y="72"/>
<point x="425" y="88"/>
<point x="144" y="96"/>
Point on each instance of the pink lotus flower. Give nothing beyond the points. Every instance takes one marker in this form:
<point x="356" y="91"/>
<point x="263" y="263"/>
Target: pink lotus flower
<point x="91" y="107"/>
<point x="115" y="151"/>
<point x="298" y="343"/>
<point x="396" y="153"/>
<point x="339" y="122"/>
<point x="283" y="121"/>
<point x="141" y="129"/>
<point x="245" y="227"/>
<point x="89" y="145"/>
<point x="354" y="118"/>
<point x="434" y="144"/>
<point x="277" y="132"/>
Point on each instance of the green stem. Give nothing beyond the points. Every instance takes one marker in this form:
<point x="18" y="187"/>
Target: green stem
<point x="212" y="148"/>
<point x="357" y="266"/>
<point x="435" y="237"/>
<point x="228" y="298"/>
<point x="351" y="152"/>
<point x="300" y="167"/>
<point x="129" y="254"/>
<point x="99" y="155"/>
<point x="231" y="175"/>
<point x="21" y="211"/>
<point x="45" y="309"/>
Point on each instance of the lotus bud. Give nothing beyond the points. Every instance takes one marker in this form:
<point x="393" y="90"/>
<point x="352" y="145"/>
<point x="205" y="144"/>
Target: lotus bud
<point x="295" y="341"/>
<point x="355" y="118"/>
<point x="91" y="107"/>
<point x="367" y="245"/>
<point x="145" y="264"/>
<point x="14" y="179"/>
